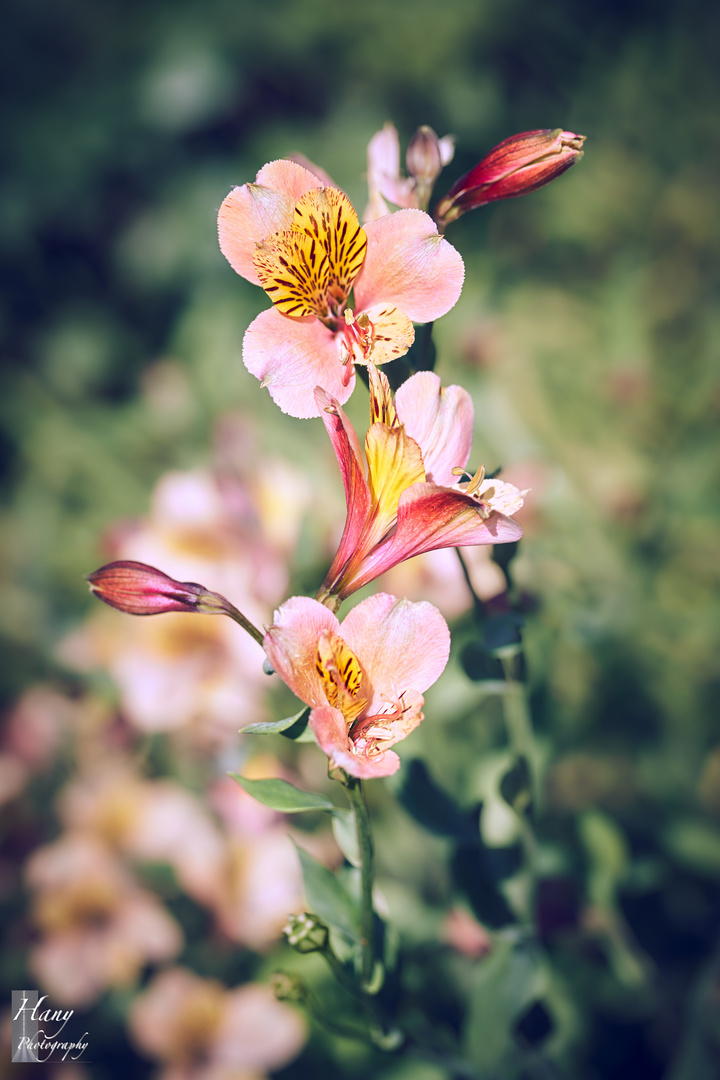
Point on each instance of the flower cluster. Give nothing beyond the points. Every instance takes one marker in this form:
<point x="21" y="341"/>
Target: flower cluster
<point x="344" y="295"/>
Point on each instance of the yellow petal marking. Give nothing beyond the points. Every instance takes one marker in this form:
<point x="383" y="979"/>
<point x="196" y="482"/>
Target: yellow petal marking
<point x="393" y="334"/>
<point x="341" y="675"/>
<point x="394" y="463"/>
<point x="382" y="407"/>
<point x="294" y="271"/>
<point x="310" y="268"/>
<point x="377" y="336"/>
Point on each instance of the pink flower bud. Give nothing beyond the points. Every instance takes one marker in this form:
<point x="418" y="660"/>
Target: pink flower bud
<point x="514" y="167"/>
<point x="423" y="157"/>
<point x="139" y="589"/>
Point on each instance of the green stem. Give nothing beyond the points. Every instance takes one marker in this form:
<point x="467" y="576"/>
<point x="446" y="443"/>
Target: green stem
<point x="247" y="626"/>
<point x="477" y="602"/>
<point x="518" y="725"/>
<point x="356" y="795"/>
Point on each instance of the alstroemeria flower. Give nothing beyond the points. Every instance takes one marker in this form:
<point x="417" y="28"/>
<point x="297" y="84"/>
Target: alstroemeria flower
<point x="409" y="501"/>
<point x="363" y="678"/>
<point x="303" y="243"/>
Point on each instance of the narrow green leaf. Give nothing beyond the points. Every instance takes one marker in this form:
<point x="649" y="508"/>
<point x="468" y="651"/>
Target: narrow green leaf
<point x="291" y="727"/>
<point x="280" y="795"/>
<point x="607" y="850"/>
<point x="328" y="898"/>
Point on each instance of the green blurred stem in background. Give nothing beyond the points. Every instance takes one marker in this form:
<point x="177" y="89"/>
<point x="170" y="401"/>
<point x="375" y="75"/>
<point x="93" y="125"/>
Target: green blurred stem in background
<point x="356" y="795"/>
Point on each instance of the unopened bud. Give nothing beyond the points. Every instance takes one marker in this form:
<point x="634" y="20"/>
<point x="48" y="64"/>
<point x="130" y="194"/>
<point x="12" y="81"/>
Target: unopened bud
<point x="516" y="166"/>
<point x="287" y="987"/>
<point x="306" y="933"/>
<point x="425" y="158"/>
<point x="139" y="589"/>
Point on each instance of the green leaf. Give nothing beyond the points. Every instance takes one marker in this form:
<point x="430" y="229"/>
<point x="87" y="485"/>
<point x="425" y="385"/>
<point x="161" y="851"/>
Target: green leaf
<point x="694" y="843"/>
<point x="292" y="727"/>
<point x="328" y="898"/>
<point x="280" y="795"/>
<point x="502" y="636"/>
<point x="432" y="807"/>
<point x="344" y="831"/>
<point x="507" y="982"/>
<point x="516" y="785"/>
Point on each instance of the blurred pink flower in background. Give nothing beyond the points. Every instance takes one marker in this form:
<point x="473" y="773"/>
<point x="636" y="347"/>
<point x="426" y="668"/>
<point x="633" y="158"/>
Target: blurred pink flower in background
<point x="259" y="882"/>
<point x="98" y="927"/>
<point x="199" y="1030"/>
<point x="202" y="674"/>
<point x="147" y="820"/>
<point x="259" y="886"/>
<point x="364" y="678"/>
<point x="40" y="727"/>
<point x="462" y="932"/>
<point x="37" y="725"/>
<point x="437" y="577"/>
<point x="243" y="867"/>
<point x="302" y="242"/>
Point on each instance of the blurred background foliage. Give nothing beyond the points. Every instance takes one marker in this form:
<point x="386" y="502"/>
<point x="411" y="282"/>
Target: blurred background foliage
<point x="587" y="333"/>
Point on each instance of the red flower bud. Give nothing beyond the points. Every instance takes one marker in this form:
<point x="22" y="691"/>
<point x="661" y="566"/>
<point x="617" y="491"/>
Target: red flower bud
<point x="516" y="166"/>
<point x="139" y="589"/>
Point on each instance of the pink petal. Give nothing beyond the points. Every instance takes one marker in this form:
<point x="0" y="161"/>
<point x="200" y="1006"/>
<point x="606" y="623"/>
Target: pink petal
<point x="330" y="729"/>
<point x="287" y="176"/>
<point x="291" y="645"/>
<point x="293" y="356"/>
<point x="400" y="644"/>
<point x="357" y="494"/>
<point x="409" y="265"/>
<point x="383" y="159"/>
<point x="254" y="211"/>
<point x="432" y="517"/>
<point x="440" y="421"/>
<point x="399" y="190"/>
<point x="318" y="172"/>
<point x="447" y="149"/>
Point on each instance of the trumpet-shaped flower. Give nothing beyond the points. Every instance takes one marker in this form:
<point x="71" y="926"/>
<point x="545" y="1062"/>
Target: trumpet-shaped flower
<point x="409" y="501"/>
<point x="303" y="243"/>
<point x="363" y="678"/>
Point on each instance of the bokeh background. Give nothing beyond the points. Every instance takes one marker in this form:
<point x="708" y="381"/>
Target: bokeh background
<point x="587" y="333"/>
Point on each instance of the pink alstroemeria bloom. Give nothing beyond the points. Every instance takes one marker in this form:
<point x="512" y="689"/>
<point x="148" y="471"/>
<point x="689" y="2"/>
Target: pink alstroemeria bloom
<point x="410" y="502"/>
<point x="364" y="678"/>
<point x="303" y="243"/>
